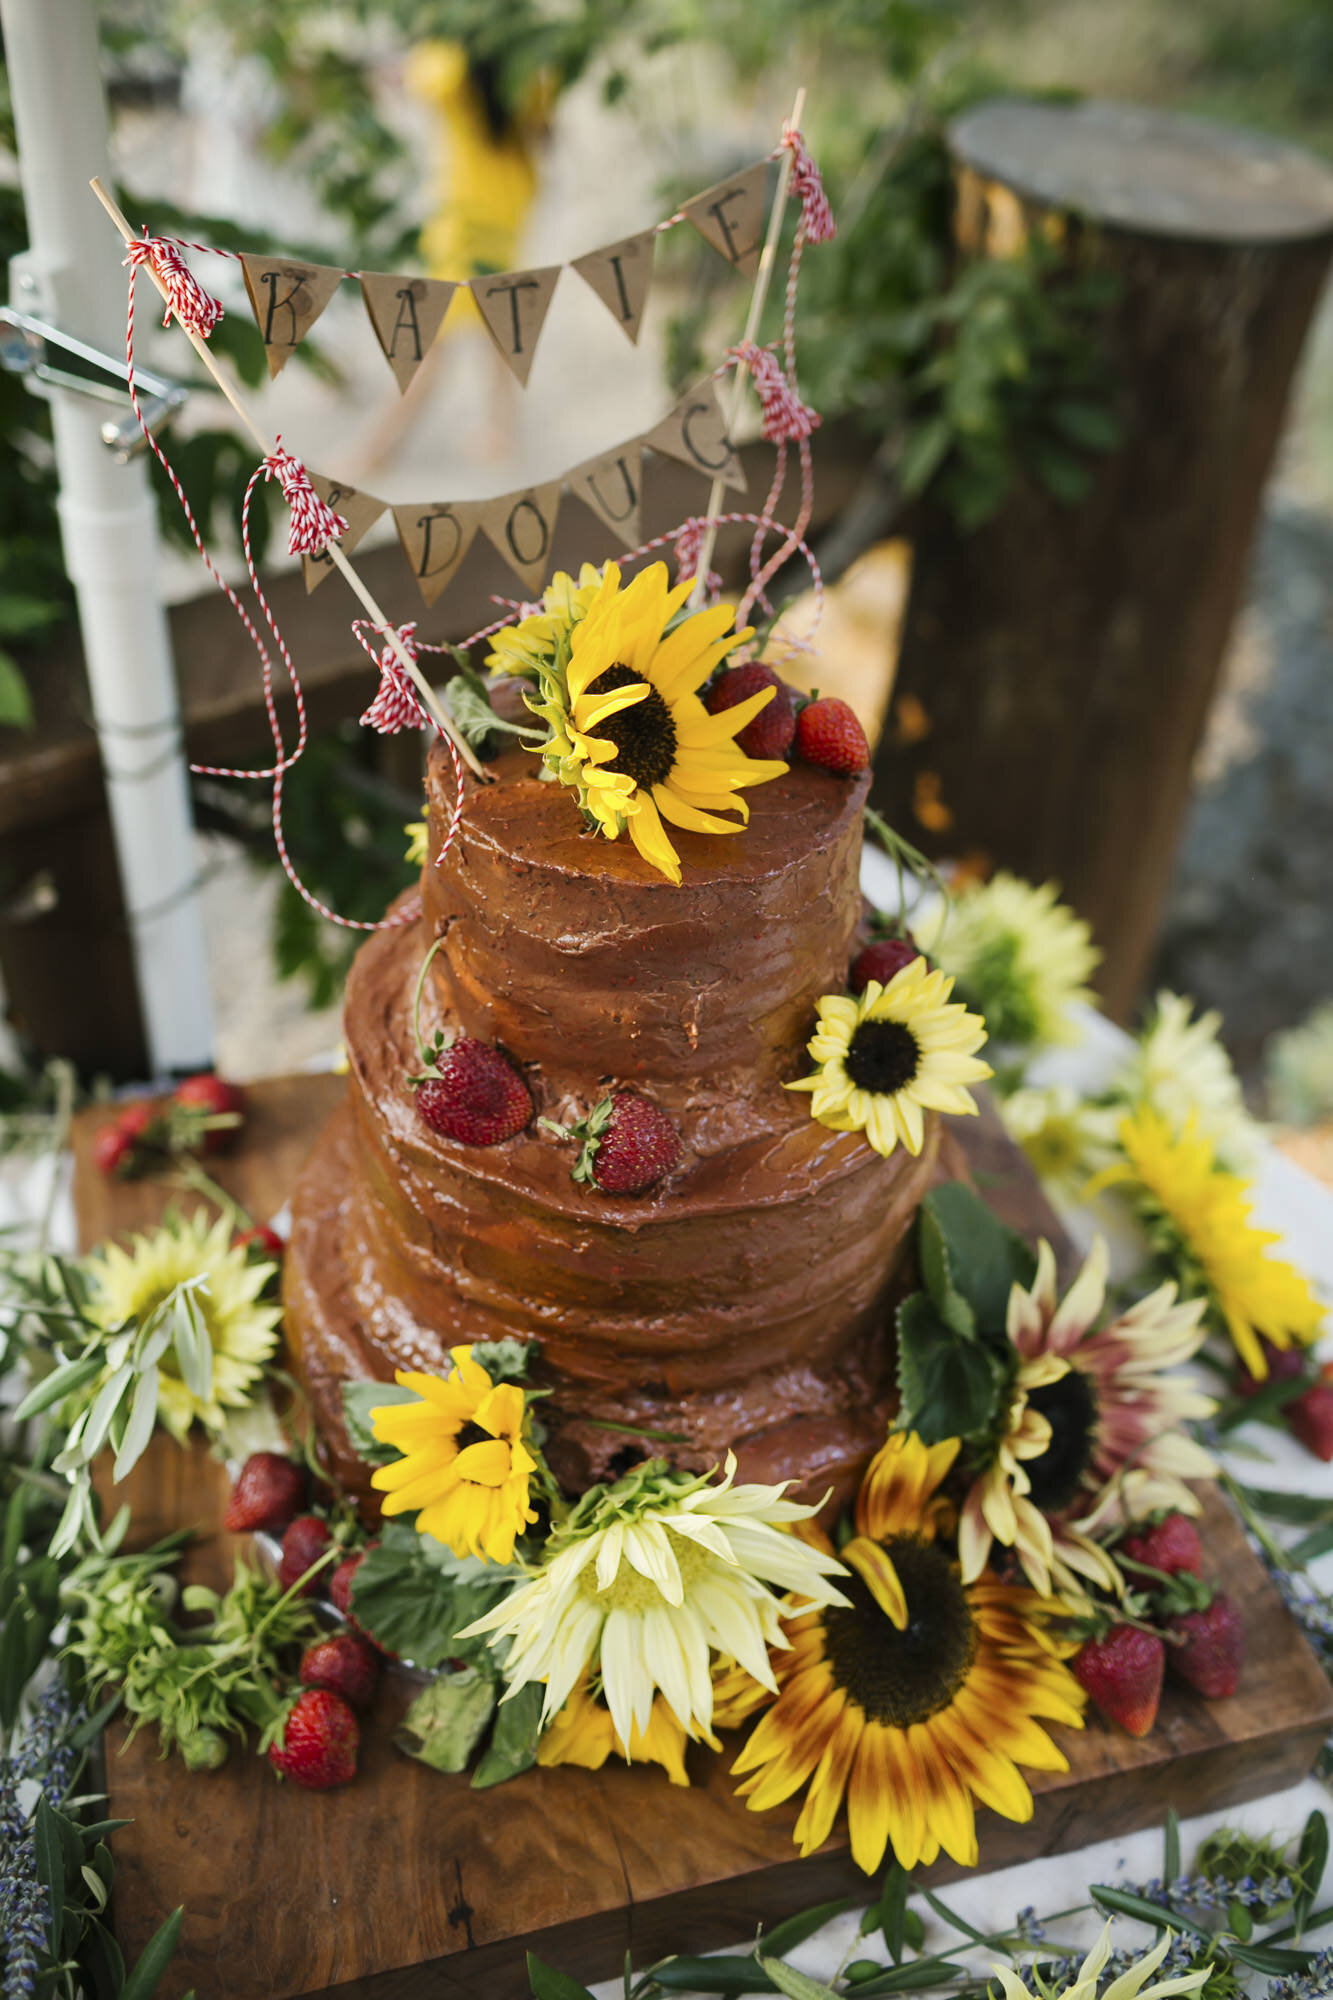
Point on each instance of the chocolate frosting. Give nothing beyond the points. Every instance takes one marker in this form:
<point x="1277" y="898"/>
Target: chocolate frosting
<point x="743" y="1302"/>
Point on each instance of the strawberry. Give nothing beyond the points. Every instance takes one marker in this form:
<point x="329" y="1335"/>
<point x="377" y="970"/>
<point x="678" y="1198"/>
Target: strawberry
<point x="475" y="1095"/>
<point x="628" y="1145"/>
<point x="768" y="734"/>
<point x="1309" y="1416"/>
<point x="318" y="1745"/>
<point x="1210" y="1659"/>
<point x="269" y="1493"/>
<point x="304" y="1543"/>
<point x="345" y="1665"/>
<point x="1123" y="1674"/>
<point x="213" y="1108"/>
<point x="828" y="734"/>
<point x="883" y="960"/>
<point x="121" y="1149"/>
<point x="340" y="1583"/>
<point x="265" y="1241"/>
<point x="1171" y="1545"/>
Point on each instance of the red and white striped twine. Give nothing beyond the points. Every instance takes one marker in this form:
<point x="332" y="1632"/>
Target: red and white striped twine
<point x="808" y="186"/>
<point x="396" y="705"/>
<point x="314" y="524"/>
<point x="785" y="418"/>
<point x="197" y="310"/>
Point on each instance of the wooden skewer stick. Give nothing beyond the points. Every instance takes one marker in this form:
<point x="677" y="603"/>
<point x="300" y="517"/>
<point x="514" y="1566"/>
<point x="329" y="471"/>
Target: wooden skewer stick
<point x="758" y="299"/>
<point x="437" y="714"/>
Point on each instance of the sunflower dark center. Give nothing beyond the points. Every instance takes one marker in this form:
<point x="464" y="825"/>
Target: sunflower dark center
<point x="903" y="1677"/>
<point x="1070" y="1408"/>
<point x="472" y="1434"/>
<point x="644" y="735"/>
<point x="882" y="1057"/>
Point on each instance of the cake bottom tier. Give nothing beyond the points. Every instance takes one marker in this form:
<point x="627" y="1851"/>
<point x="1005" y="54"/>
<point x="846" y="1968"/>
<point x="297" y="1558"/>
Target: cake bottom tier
<point x="817" y="1426"/>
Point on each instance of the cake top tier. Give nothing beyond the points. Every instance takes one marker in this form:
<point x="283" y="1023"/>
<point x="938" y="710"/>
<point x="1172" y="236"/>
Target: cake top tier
<point x="575" y="953"/>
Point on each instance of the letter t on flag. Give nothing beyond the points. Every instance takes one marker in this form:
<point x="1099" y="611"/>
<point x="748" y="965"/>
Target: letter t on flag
<point x="513" y="305"/>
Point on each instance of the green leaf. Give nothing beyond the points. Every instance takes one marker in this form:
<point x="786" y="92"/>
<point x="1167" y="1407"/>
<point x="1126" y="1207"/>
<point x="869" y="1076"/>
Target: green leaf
<point x="1311" y="1862"/>
<point x="915" y="1977"/>
<point x="949" y="1385"/>
<point x="61" y="1382"/>
<point x="505" y="1360"/>
<point x="1271" y="1958"/>
<point x="712" y="1975"/>
<point x="548" y="1984"/>
<point x="1123" y="1904"/>
<point x="1300" y="1510"/>
<point x="143" y="1416"/>
<point x="937" y="1271"/>
<point x="888" y="1914"/>
<point x="104" y="1408"/>
<point x="1310" y="1547"/>
<point x="796" y="1985"/>
<point x="924" y="452"/>
<point x="468" y="701"/>
<point x="154" y="1959"/>
<point x="194" y="1349"/>
<point x="1171" y="1846"/>
<point x="413" y="1596"/>
<point x="359" y="1399"/>
<point x="49" y="1855"/>
<point x="795" y="1930"/>
<point x="986" y="1260"/>
<point x="446" y="1721"/>
<point x="15" y="701"/>
<point x="513" y="1744"/>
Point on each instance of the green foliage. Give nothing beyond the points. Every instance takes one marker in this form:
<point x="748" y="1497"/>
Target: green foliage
<point x="359" y="1399"/>
<point x="413" y="1596"/>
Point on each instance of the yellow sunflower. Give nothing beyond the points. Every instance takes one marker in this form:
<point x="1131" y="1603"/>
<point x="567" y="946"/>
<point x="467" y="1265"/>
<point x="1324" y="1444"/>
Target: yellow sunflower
<point x="417" y="831"/>
<point x="920" y="1696"/>
<point x="1198" y="1216"/>
<point x="890" y="1056"/>
<point x="529" y="648"/>
<point x="584" y="1734"/>
<point x="242" y="1328"/>
<point x="620" y="695"/>
<point x="465" y="1467"/>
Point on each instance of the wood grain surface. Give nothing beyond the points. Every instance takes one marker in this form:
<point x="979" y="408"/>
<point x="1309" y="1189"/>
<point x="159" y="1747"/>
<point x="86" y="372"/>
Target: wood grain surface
<point x="409" y="1884"/>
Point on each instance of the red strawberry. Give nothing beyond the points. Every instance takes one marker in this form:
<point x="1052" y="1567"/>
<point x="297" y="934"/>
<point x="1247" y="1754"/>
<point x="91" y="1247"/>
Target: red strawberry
<point x="269" y="1493"/>
<point x="263" y="1239"/>
<point x="319" y="1742"/>
<point x="1210" y="1659"/>
<point x="1284" y="1365"/>
<point x="828" y="734"/>
<point x="1171" y="1545"/>
<point x="883" y="960"/>
<point x="1123" y="1674"/>
<point x="214" y="1105"/>
<point x="1309" y="1416"/>
<point x="345" y="1665"/>
<point x="118" y="1148"/>
<point x="628" y="1144"/>
<point x="475" y="1096"/>
<point x="340" y="1583"/>
<point x="768" y="734"/>
<point x="303" y="1544"/>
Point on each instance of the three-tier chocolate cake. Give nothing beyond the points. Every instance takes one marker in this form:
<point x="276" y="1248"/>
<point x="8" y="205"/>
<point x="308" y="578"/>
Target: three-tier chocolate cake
<point x="745" y="1301"/>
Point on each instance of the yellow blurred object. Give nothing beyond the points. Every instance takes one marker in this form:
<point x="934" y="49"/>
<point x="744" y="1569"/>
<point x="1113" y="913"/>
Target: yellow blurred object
<point x="485" y="184"/>
<point x="856" y="648"/>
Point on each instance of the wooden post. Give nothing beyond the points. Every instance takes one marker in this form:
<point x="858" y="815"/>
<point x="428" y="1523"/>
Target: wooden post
<point x="1058" y="663"/>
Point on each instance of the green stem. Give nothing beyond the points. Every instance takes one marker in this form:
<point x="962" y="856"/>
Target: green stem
<point x="422" y="1056"/>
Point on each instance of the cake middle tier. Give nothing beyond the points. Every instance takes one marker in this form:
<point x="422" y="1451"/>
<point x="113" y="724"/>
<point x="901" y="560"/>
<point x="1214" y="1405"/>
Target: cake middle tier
<point x="575" y="954"/>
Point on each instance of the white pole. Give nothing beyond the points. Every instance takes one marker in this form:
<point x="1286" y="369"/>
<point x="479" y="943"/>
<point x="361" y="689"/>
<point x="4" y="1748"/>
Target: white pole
<point x="107" y="522"/>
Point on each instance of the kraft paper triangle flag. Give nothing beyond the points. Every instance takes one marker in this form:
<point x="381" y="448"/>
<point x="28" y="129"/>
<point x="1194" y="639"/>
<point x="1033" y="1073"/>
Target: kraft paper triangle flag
<point x="522" y="527"/>
<point x="359" y="510"/>
<point x="406" y="314"/>
<point x="436" y="535"/>
<point x="286" y="298"/>
<point x="620" y="274"/>
<point x="514" y="306"/>
<point x="696" y="434"/>
<point x="731" y="216"/>
<point x="613" y="487"/>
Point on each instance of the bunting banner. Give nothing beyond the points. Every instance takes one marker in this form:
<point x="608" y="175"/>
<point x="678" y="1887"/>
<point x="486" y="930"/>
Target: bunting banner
<point x="437" y="534"/>
<point x="406" y="311"/>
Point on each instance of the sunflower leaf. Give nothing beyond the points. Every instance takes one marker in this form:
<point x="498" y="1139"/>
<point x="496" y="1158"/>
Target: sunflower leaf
<point x="139" y="1429"/>
<point x="548" y="1983"/>
<point x="513" y="1744"/>
<point x="796" y="1985"/>
<point x="505" y="1360"/>
<point x="412" y="1595"/>
<point x="359" y="1399"/>
<point x="949" y="1385"/>
<point x="447" y="1720"/>
<point x="194" y="1349"/>
<point x="937" y="1270"/>
<point x="985" y="1259"/>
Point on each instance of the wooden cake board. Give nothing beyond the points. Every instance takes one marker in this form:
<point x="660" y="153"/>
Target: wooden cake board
<point x="408" y="1883"/>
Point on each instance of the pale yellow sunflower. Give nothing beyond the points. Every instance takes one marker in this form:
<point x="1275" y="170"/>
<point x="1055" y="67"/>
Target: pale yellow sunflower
<point x="1020" y="956"/>
<point x="921" y="1695"/>
<point x="1089" y="1983"/>
<point x="1180" y="1068"/>
<point x="1198" y="1218"/>
<point x="890" y="1056"/>
<point x="465" y="1468"/>
<point x="529" y="648"/>
<point x="584" y="1734"/>
<point x="620" y="696"/>
<point x="242" y="1327"/>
